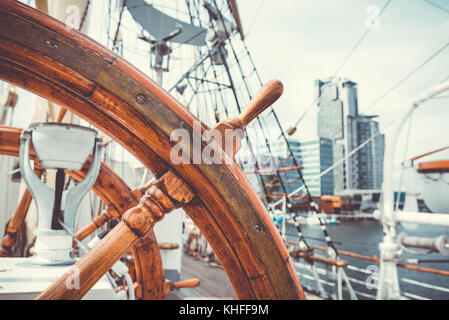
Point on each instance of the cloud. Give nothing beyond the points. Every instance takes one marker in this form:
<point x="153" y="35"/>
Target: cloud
<point x="300" y="41"/>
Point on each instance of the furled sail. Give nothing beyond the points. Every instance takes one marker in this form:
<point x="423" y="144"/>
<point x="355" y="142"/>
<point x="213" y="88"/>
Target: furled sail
<point x="161" y="25"/>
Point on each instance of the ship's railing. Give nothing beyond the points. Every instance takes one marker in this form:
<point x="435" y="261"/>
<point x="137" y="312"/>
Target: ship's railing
<point x="323" y="280"/>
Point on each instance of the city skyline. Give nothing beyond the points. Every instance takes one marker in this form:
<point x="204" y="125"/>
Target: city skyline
<point x="310" y="39"/>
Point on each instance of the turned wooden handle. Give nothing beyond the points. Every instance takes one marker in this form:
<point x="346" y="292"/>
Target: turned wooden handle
<point x="169" y="286"/>
<point x="168" y="246"/>
<point x="168" y="193"/>
<point x="16" y="222"/>
<point x="190" y="283"/>
<point x="62" y="112"/>
<point x="266" y="96"/>
<point x="110" y="213"/>
<point x="107" y="215"/>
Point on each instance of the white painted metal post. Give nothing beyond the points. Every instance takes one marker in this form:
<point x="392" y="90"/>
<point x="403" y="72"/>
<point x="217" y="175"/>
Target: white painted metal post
<point x="348" y="284"/>
<point x="323" y="293"/>
<point x="389" y="249"/>
<point x="339" y="285"/>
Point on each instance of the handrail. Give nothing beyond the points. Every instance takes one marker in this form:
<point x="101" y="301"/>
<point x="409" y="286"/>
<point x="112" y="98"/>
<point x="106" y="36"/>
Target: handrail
<point x="388" y="214"/>
<point x="324" y="272"/>
<point x="389" y="249"/>
<point x="377" y="260"/>
<point x="427" y="154"/>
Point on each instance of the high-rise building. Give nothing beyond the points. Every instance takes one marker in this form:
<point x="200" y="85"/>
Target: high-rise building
<point x="314" y="155"/>
<point x="370" y="157"/>
<point x="265" y="177"/>
<point x="339" y="121"/>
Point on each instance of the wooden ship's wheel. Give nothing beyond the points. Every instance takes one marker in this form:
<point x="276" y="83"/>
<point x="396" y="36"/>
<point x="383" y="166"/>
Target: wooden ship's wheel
<point x="145" y="264"/>
<point x="43" y="56"/>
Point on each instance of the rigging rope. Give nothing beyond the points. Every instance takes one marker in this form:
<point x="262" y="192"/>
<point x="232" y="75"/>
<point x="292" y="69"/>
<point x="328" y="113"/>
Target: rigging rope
<point x="118" y="26"/>
<point x="312" y="204"/>
<point x="83" y="18"/>
<point x="244" y="80"/>
<point x="377" y="100"/>
<point x="285" y="169"/>
<point x="445" y="78"/>
<point x="351" y="52"/>
<point x="237" y="104"/>
<point x="285" y="181"/>
<point x="357" y="44"/>
<point x="255" y="18"/>
<point x="408" y="76"/>
<point x="437" y="6"/>
<point x="396" y="205"/>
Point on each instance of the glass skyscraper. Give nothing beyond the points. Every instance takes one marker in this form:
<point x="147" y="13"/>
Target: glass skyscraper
<point x="314" y="155"/>
<point x="339" y="121"/>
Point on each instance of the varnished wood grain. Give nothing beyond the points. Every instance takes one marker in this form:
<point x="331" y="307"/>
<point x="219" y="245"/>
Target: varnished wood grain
<point x="136" y="223"/>
<point x="168" y="246"/>
<point x="107" y="215"/>
<point x="170" y="286"/>
<point x="15" y="224"/>
<point x="149" y="269"/>
<point x="265" y="97"/>
<point x="298" y="253"/>
<point x="231" y="130"/>
<point x="61" y="113"/>
<point x="222" y="189"/>
<point x="92" y="266"/>
<point x="236" y="14"/>
<point x="113" y="191"/>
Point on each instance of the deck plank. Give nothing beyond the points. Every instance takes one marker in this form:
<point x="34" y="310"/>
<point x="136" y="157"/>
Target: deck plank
<point x="214" y="283"/>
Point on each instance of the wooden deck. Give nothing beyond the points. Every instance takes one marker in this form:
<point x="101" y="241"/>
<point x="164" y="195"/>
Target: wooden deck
<point x="214" y="282"/>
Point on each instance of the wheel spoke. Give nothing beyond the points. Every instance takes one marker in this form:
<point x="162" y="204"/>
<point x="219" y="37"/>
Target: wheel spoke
<point x="168" y="193"/>
<point x="113" y="191"/>
<point x="66" y="67"/>
<point x="17" y="221"/>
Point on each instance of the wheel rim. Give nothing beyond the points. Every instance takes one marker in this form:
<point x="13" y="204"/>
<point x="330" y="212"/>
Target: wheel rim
<point x="72" y="70"/>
